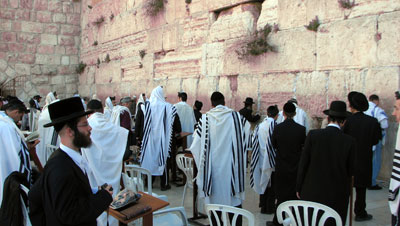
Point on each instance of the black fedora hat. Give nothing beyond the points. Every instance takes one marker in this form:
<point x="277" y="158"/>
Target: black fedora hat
<point x="249" y="100"/>
<point x="359" y="102"/>
<point x="65" y="110"/>
<point x="338" y="109"/>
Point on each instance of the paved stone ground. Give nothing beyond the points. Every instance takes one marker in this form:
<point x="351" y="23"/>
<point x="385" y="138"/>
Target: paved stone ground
<point x="377" y="204"/>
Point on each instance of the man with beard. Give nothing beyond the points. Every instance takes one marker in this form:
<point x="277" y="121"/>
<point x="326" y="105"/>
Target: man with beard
<point x="62" y="195"/>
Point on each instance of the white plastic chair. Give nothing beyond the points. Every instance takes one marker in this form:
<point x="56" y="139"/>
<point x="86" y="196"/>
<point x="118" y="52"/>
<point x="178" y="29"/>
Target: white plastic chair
<point x="49" y="150"/>
<point x="25" y="212"/>
<point x="225" y="210"/>
<point x="290" y="207"/>
<point x="135" y="181"/>
<point x="186" y="165"/>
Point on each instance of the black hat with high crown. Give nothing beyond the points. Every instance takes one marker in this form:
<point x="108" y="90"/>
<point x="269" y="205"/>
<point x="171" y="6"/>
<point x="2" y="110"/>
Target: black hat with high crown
<point x="65" y="110"/>
<point x="359" y="102"/>
<point x="337" y="109"/>
<point x="249" y="100"/>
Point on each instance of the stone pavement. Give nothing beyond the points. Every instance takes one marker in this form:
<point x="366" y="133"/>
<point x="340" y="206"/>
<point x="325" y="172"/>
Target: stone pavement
<point x="377" y="204"/>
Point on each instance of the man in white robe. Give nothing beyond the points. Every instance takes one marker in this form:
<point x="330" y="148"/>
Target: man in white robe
<point x="14" y="154"/>
<point x="121" y="115"/>
<point x="109" y="105"/>
<point x="186" y="116"/>
<point x="263" y="161"/>
<point x="301" y="116"/>
<point x="219" y="148"/>
<point x="375" y="111"/>
<point x="105" y="155"/>
<point x="47" y="135"/>
<point x="156" y="128"/>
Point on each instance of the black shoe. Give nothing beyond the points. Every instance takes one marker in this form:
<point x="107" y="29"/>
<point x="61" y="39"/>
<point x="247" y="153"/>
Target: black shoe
<point x="164" y="188"/>
<point x="375" y="187"/>
<point x="366" y="217"/>
<point x="271" y="223"/>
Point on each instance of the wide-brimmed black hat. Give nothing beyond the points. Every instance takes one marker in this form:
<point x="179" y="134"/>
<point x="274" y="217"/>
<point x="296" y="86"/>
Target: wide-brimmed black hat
<point x="337" y="109"/>
<point x="359" y="102"/>
<point x="249" y="100"/>
<point x="65" y="110"/>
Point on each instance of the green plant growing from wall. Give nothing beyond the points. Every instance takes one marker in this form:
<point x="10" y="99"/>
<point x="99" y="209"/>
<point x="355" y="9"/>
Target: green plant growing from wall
<point x="153" y="7"/>
<point x="90" y="7"/>
<point x="188" y="1"/>
<point x="112" y="16"/>
<point x="107" y="60"/>
<point x="347" y="4"/>
<point x="142" y="53"/>
<point x="95" y="43"/>
<point x="257" y="45"/>
<point x="98" y="62"/>
<point x="99" y="21"/>
<point x="313" y="25"/>
<point x="80" y="68"/>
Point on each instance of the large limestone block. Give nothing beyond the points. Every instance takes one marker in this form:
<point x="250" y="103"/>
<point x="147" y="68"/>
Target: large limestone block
<point x="247" y="86"/>
<point x="276" y="88"/>
<point x="206" y="86"/>
<point x="269" y="14"/>
<point x="171" y="89"/>
<point x="190" y="86"/>
<point x="212" y="58"/>
<point x="388" y="52"/>
<point x="347" y="44"/>
<point x="235" y="22"/>
<point x="22" y="69"/>
<point x="155" y="40"/>
<point x="169" y="37"/>
<point x="326" y="10"/>
<point x="109" y="73"/>
<point x="292" y="13"/>
<point x="341" y="82"/>
<point x="223" y="4"/>
<point x="228" y="86"/>
<point x="197" y="6"/>
<point x="193" y="30"/>
<point x="47" y="59"/>
<point x="371" y="7"/>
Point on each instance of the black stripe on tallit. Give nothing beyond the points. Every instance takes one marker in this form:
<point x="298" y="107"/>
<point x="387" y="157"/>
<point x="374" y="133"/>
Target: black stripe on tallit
<point x="146" y="132"/>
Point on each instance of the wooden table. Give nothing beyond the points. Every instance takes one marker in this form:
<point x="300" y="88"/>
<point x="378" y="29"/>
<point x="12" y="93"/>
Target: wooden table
<point x="153" y="202"/>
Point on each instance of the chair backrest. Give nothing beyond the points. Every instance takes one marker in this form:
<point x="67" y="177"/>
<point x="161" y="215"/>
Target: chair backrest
<point x="297" y="210"/>
<point x="212" y="209"/>
<point x="134" y="178"/>
<point x="49" y="150"/>
<point x="25" y="213"/>
<point x="186" y="165"/>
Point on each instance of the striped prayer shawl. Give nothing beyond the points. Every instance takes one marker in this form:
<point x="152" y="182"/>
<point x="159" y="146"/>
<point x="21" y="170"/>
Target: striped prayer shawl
<point x="263" y="155"/>
<point x="394" y="198"/>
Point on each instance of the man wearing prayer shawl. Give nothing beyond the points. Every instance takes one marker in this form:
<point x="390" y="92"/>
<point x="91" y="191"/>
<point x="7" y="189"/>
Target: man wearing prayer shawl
<point x="156" y="127"/>
<point x="327" y="163"/>
<point x="300" y="117"/>
<point x="186" y="116"/>
<point x="14" y="154"/>
<point x="375" y="111"/>
<point x="47" y="135"/>
<point x="105" y="155"/>
<point x="367" y="132"/>
<point x="121" y="115"/>
<point x="109" y="105"/>
<point x="394" y="187"/>
<point x="288" y="140"/>
<point x="263" y="161"/>
<point x="219" y="149"/>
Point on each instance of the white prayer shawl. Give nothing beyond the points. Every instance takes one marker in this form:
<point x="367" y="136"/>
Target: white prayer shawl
<point x="159" y="118"/>
<point x="263" y="156"/>
<point x="394" y="199"/>
<point x="108" y="108"/>
<point x="47" y="135"/>
<point x="187" y="119"/>
<point x="14" y="154"/>
<point x="116" y="115"/>
<point x="300" y="117"/>
<point x="49" y="99"/>
<point x="105" y="156"/>
<point x="140" y="101"/>
<point x="33" y="117"/>
<point x="219" y="148"/>
<point x="378" y="113"/>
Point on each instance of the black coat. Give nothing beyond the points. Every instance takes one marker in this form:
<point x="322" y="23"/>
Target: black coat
<point x="326" y="167"/>
<point x="247" y="114"/>
<point x="63" y="196"/>
<point x="367" y="132"/>
<point x="288" y="140"/>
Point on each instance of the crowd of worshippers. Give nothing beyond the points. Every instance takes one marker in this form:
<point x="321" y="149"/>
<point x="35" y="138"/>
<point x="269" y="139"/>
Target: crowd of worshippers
<point x="288" y="161"/>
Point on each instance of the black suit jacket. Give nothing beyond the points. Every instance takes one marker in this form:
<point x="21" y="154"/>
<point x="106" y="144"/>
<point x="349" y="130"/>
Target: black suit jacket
<point x="367" y="132"/>
<point x="63" y="196"/>
<point x="326" y="167"/>
<point x="247" y="114"/>
<point x="288" y="140"/>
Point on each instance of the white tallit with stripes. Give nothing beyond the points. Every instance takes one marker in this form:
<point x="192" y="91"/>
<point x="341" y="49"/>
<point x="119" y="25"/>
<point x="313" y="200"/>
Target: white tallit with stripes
<point x="394" y="199"/>
<point x="14" y="154"/>
<point x="220" y="151"/>
<point x="159" y="117"/>
<point x="108" y="108"/>
<point x="116" y="115"/>
<point x="263" y="155"/>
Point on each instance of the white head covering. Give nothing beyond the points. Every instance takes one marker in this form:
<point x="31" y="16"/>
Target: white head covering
<point x="108" y="108"/>
<point x="94" y="97"/>
<point x="157" y="96"/>
<point x="141" y="101"/>
<point x="49" y="99"/>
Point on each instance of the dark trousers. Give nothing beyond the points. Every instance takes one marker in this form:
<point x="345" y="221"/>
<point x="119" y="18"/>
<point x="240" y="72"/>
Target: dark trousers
<point x="238" y="220"/>
<point x="267" y="200"/>
<point x="359" y="205"/>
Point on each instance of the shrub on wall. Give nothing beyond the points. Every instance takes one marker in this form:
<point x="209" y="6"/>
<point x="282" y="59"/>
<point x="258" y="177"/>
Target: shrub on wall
<point x="153" y="7"/>
<point x="347" y="4"/>
<point x="80" y="68"/>
<point x="313" y="25"/>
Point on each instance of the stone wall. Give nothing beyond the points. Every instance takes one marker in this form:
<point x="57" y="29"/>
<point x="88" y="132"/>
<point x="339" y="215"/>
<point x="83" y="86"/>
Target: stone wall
<point x="192" y="47"/>
<point x="39" y="44"/>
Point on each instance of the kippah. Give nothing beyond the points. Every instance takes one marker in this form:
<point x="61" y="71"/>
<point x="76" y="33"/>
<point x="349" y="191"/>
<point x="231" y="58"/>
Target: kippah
<point x="289" y="108"/>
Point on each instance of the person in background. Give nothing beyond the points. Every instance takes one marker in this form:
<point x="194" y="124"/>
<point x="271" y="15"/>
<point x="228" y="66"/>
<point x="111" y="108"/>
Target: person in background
<point x="248" y="110"/>
<point x="394" y="187"/>
<point x="197" y="110"/>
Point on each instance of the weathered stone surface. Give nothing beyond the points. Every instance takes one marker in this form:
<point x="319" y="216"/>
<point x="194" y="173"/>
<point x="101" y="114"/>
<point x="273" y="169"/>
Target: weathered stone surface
<point x="36" y="70"/>
<point x="26" y="58"/>
<point x="57" y="79"/>
<point x="28" y="38"/>
<point x="65" y="60"/>
<point x="10" y="72"/>
<point x="22" y="69"/>
<point x="292" y="13"/>
<point x="45" y="49"/>
<point x="40" y="79"/>
<point x="40" y="5"/>
<point x="212" y="59"/>
<point x="70" y="30"/>
<point x="269" y="14"/>
<point x="47" y="59"/>
<point x="389" y="45"/>
<point x="33" y="27"/>
<point x="51" y="29"/>
<point x="16" y="47"/>
<point x="353" y="42"/>
<point x="47" y="39"/>
<point x="368" y="7"/>
<point x="44" y="17"/>
<point x="3" y="65"/>
<point x="9" y="37"/>
<point x="49" y="69"/>
<point x="66" y="40"/>
<point x="59" y="18"/>
<point x="55" y="6"/>
<point x="22" y="15"/>
<point x="194" y="30"/>
<point x="5" y="25"/>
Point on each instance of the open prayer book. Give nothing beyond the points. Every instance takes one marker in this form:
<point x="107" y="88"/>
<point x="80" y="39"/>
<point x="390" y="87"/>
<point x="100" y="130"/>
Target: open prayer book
<point x="31" y="136"/>
<point x="124" y="198"/>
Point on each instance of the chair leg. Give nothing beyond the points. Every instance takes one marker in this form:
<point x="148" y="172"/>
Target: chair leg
<point x="184" y="194"/>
